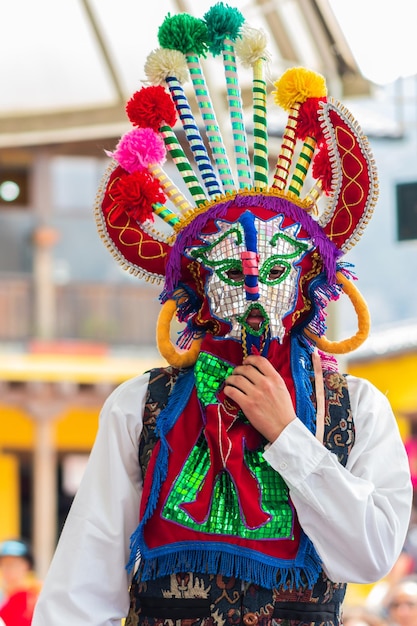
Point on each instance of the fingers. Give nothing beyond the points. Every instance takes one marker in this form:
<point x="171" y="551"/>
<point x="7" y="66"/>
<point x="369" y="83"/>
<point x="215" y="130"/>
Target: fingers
<point x="244" y="377"/>
<point x="252" y="372"/>
<point x="259" y="362"/>
<point x="253" y="367"/>
<point x="237" y="382"/>
<point x="259" y="390"/>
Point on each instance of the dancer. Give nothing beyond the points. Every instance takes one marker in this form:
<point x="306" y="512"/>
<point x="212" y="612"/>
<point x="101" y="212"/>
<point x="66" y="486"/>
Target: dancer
<point x="248" y="481"/>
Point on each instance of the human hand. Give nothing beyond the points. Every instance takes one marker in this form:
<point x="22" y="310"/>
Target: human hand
<point x="262" y="394"/>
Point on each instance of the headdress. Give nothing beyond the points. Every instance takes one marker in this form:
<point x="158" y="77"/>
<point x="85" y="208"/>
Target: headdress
<point x="323" y="156"/>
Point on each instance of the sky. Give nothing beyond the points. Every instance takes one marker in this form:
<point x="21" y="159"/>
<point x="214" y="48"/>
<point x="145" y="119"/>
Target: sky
<point x="382" y="36"/>
<point x="49" y="58"/>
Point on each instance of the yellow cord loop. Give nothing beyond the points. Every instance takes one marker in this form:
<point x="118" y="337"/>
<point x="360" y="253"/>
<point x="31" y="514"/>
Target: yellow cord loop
<point x="364" y="322"/>
<point x="163" y="339"/>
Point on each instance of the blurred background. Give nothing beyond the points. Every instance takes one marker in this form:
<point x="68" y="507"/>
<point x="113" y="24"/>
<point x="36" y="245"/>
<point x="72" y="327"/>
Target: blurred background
<point x="73" y="325"/>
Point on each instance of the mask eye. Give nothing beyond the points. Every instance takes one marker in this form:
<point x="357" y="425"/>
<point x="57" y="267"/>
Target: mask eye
<point x="276" y="272"/>
<point x="235" y="275"/>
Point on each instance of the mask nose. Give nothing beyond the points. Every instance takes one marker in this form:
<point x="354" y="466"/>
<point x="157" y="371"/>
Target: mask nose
<point x="250" y="267"/>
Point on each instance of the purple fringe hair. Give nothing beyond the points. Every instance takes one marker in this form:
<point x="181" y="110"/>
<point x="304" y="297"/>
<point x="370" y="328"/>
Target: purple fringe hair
<point x="328" y="251"/>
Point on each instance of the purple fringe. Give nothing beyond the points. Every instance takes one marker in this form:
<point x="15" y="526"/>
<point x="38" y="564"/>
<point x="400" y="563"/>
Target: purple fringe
<point x="328" y="251"/>
<point x="326" y="293"/>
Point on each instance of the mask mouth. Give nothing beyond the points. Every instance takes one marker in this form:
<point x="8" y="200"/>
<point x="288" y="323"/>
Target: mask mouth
<point x="255" y="320"/>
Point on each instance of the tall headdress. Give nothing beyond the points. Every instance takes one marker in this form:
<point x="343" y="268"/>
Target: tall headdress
<point x="323" y="155"/>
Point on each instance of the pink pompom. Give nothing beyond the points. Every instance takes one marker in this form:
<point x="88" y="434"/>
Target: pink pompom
<point x="139" y="148"/>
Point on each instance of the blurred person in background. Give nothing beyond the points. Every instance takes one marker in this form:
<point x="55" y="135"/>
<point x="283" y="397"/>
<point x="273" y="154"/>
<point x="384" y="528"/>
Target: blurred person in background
<point x="362" y="616"/>
<point x="19" y="587"/>
<point x="400" y="602"/>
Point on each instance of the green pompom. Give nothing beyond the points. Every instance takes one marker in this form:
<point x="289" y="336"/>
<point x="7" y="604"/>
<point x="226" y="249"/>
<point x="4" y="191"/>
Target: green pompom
<point x="185" y="33"/>
<point x="222" y="22"/>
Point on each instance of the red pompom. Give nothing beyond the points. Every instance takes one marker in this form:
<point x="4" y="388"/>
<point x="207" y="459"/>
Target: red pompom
<point x="308" y="124"/>
<point x="322" y="169"/>
<point x="151" y="107"/>
<point x="135" y="194"/>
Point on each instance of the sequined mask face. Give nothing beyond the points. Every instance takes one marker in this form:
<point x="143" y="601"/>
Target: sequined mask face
<point x="254" y="273"/>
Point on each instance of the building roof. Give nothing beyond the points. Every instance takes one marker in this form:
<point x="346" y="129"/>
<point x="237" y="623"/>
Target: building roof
<point x="72" y="65"/>
<point x="400" y="338"/>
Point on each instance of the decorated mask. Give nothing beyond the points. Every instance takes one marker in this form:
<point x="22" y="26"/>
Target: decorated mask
<point x="252" y="255"/>
<point x="254" y="267"/>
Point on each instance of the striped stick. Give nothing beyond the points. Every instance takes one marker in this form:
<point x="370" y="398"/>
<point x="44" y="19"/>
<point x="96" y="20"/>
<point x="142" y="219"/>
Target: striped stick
<point x="210" y="122"/>
<point x="314" y="196"/>
<point x="302" y="165"/>
<point x="234" y="99"/>
<point x="170" y="189"/>
<point x="260" y="147"/>
<point x="287" y="150"/>
<point x="183" y="165"/>
<point x="166" y="214"/>
<point x="193" y="136"/>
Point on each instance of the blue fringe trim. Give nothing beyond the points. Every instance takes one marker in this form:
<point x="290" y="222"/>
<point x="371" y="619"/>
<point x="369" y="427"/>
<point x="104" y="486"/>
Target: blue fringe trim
<point x="232" y="561"/>
<point x="177" y="402"/>
<point x="188" y="303"/>
<point x="188" y="335"/>
<point x="301" y="367"/>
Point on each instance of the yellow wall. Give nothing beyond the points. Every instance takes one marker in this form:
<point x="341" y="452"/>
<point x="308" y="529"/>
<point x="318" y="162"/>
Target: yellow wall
<point x="77" y="428"/>
<point x="16" y="428"/>
<point x="395" y="377"/>
<point x="74" y="429"/>
<point x="9" y="497"/>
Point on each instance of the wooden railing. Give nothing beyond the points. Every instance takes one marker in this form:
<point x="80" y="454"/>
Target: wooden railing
<point x="113" y="313"/>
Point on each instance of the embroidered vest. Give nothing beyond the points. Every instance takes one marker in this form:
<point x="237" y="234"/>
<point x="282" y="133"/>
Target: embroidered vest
<point x="199" y="596"/>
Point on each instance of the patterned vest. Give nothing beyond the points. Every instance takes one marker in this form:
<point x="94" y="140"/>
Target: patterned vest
<point x="208" y="600"/>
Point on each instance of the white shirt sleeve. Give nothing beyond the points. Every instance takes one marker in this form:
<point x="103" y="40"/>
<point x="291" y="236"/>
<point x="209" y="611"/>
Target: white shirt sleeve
<point x="357" y="516"/>
<point x="87" y="582"/>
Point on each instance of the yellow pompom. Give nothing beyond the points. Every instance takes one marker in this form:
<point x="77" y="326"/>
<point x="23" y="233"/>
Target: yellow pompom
<point x="297" y="85"/>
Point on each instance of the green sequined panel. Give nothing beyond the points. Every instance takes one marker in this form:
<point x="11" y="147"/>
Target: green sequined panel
<point x="210" y="372"/>
<point x="224" y="517"/>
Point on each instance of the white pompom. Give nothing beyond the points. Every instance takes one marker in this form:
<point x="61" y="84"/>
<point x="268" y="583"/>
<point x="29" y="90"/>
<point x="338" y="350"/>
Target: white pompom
<point x="252" y="46"/>
<point x="164" y="62"/>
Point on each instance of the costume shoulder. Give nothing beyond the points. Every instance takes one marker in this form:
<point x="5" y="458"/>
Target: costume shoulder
<point x="126" y="397"/>
<point x="161" y="382"/>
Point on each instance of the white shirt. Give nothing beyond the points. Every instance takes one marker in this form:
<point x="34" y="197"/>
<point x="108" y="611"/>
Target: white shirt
<point x="357" y="516"/>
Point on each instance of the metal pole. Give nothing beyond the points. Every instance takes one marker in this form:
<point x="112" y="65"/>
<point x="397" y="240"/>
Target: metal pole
<point x="44" y="408"/>
<point x="44" y="237"/>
